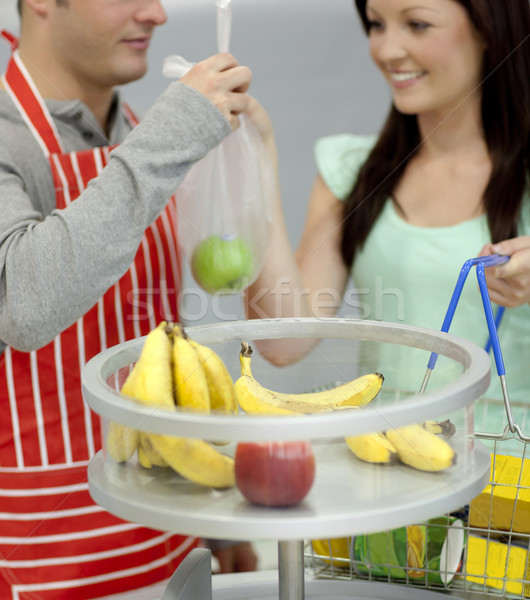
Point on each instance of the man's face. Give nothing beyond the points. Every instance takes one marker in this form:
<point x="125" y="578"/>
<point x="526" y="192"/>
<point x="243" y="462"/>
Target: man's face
<point x="103" y="43"/>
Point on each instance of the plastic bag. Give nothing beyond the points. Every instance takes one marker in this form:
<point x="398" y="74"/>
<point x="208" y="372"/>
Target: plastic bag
<point x="224" y="203"/>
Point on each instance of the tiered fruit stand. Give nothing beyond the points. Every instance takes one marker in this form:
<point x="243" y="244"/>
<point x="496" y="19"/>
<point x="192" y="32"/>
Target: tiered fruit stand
<point x="347" y="498"/>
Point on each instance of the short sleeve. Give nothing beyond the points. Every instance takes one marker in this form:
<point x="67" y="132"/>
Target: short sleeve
<point x="339" y="158"/>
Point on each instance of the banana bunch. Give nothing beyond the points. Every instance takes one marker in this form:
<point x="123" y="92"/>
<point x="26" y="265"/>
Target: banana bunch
<point x="174" y="371"/>
<point x="373" y="448"/>
<point x="418" y="446"/>
<point x="256" y="399"/>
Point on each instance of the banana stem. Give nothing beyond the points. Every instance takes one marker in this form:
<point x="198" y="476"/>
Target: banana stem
<point x="246" y="349"/>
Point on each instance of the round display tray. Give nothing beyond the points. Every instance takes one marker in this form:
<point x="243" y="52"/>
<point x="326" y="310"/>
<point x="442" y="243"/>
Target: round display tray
<point x="347" y="497"/>
<point x="456" y="394"/>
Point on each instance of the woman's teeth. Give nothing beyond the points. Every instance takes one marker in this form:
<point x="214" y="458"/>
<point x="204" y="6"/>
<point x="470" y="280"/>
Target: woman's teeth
<point x="400" y="77"/>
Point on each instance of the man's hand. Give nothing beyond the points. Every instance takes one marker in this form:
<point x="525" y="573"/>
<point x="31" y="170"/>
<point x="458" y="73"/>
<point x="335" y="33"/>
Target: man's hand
<point x="509" y="284"/>
<point x="224" y="82"/>
<point x="236" y="559"/>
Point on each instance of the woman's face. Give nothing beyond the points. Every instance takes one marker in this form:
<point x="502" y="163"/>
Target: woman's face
<point x="428" y="51"/>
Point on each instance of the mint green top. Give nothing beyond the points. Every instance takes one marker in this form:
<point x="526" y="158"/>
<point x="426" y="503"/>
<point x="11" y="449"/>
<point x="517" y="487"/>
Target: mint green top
<point x="407" y="274"/>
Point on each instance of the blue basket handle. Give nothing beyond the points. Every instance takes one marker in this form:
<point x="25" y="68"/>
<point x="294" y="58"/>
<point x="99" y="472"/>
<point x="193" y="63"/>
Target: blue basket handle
<point x="481" y="263"/>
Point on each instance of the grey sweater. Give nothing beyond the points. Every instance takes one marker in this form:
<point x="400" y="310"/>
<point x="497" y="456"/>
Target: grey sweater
<point x="56" y="264"/>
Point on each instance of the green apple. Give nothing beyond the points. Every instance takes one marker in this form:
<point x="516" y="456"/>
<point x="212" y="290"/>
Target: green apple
<point x="222" y="263"/>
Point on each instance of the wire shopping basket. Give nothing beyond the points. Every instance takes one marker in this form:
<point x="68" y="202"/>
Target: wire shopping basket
<point x="482" y="550"/>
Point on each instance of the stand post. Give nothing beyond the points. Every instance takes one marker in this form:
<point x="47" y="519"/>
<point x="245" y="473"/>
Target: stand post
<point x="291" y="570"/>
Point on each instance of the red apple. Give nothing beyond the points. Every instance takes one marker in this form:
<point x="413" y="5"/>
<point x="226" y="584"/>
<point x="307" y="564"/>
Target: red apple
<point x="274" y="473"/>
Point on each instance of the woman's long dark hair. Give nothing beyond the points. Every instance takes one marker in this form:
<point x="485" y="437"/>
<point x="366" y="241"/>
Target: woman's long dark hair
<point x="505" y="29"/>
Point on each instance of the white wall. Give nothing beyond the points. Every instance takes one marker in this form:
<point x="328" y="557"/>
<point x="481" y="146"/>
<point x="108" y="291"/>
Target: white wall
<point x="311" y="71"/>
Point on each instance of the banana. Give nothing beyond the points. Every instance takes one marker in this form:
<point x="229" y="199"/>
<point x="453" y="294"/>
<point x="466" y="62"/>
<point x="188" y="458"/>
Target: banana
<point x="373" y="448"/>
<point x="122" y="441"/>
<point x="151" y="383"/>
<point x="151" y="379"/>
<point x="143" y="458"/>
<point x="254" y="398"/>
<point x="195" y="460"/>
<point x="421" y="449"/>
<point x="416" y="547"/>
<point x="223" y="396"/>
<point x="191" y="387"/>
<point x="445" y="428"/>
<point x="334" y="552"/>
<point x="148" y="457"/>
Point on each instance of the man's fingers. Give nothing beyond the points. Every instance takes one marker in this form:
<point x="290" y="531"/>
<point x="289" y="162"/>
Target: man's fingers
<point x="221" y="61"/>
<point x="236" y="79"/>
<point x="224" y="83"/>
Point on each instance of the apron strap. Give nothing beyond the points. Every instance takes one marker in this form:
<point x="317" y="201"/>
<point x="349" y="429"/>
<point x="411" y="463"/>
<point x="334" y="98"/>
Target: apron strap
<point x="129" y="114"/>
<point x="10" y="39"/>
<point x="20" y="86"/>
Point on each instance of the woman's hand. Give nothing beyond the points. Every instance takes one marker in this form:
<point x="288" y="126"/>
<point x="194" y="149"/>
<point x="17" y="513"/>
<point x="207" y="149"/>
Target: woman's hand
<point x="509" y="284"/>
<point x="259" y="116"/>
<point x="237" y="558"/>
<point x="261" y="120"/>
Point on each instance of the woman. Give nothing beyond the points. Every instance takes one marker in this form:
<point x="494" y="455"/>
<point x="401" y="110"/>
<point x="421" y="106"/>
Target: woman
<point x="447" y="179"/>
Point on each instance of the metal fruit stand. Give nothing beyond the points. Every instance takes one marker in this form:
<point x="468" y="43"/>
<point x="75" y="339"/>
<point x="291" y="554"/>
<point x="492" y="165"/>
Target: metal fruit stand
<point x="348" y="497"/>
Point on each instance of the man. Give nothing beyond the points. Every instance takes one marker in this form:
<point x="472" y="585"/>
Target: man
<point x="87" y="236"/>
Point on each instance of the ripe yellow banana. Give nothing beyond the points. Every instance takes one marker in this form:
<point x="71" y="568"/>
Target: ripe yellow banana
<point x="445" y="428"/>
<point x="334" y="551"/>
<point x="191" y="387"/>
<point x="151" y="380"/>
<point x="223" y="396"/>
<point x="372" y="448"/>
<point x="122" y="441"/>
<point x="254" y="398"/>
<point x="421" y="449"/>
<point x="195" y="460"/>
<point x="143" y="458"/>
<point x="148" y="457"/>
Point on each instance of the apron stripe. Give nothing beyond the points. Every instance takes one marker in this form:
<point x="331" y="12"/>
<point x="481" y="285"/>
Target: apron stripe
<point x="15" y="424"/>
<point x="77" y="173"/>
<point x="39" y="420"/>
<point x="163" y="274"/>
<point x="134" y="318"/>
<point x="172" y="246"/>
<point x="101" y="325"/>
<point x="89" y="425"/>
<point x="24" y="546"/>
<point x="102" y="554"/>
<point x="99" y="159"/>
<point x="149" y="296"/>
<point x="62" y="400"/>
<point x="118" y="312"/>
<point x="64" y="187"/>
<point x="131" y="117"/>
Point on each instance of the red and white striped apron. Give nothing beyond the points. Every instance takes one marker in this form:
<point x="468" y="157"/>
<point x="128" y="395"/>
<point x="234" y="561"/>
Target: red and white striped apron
<point x="55" y="543"/>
